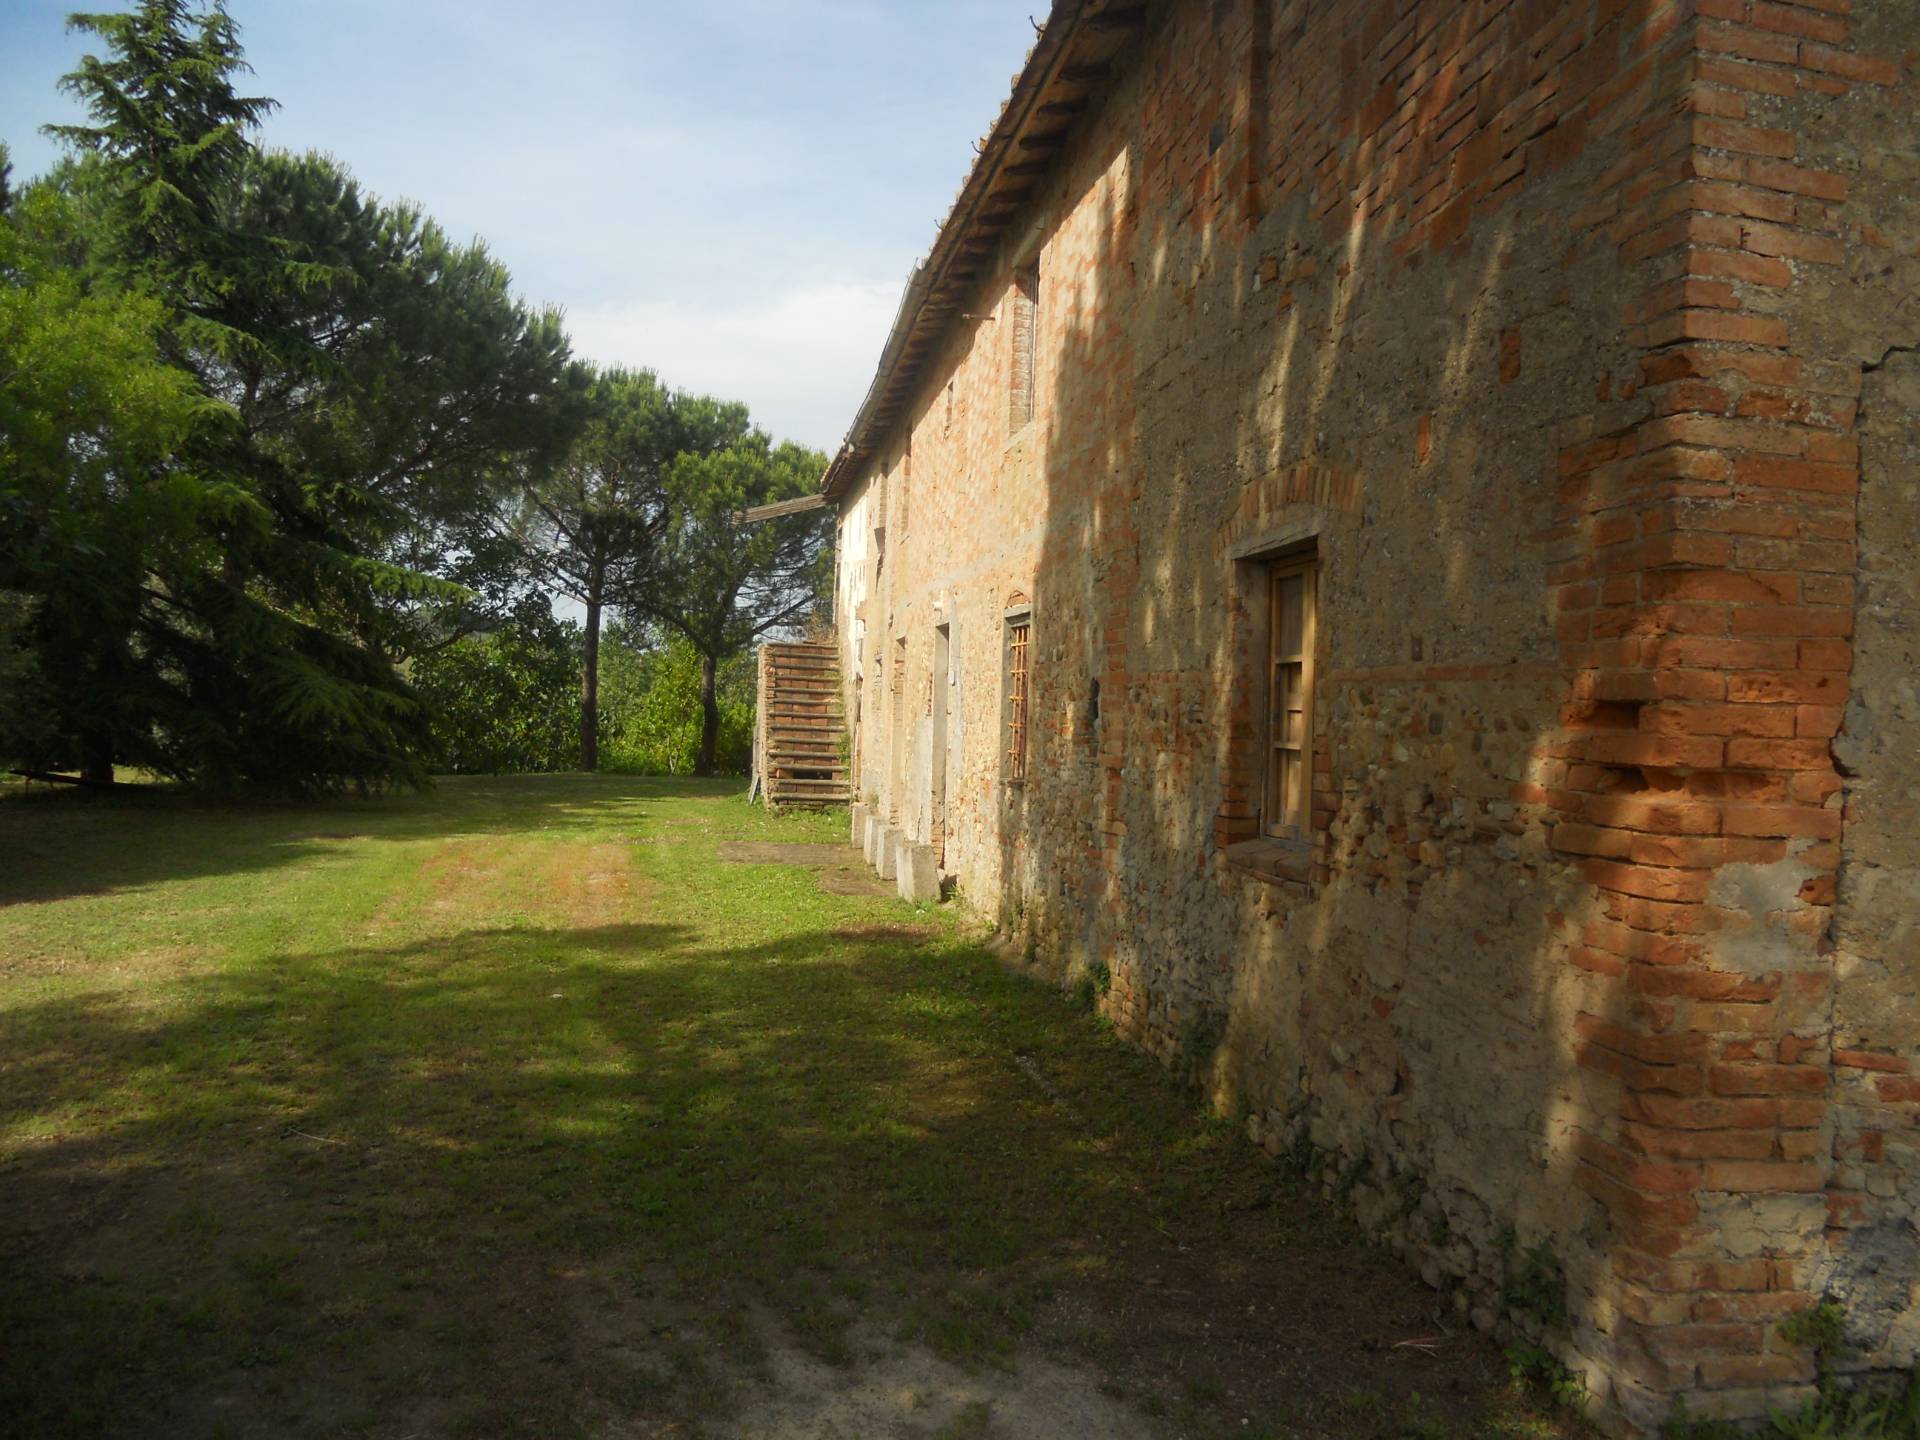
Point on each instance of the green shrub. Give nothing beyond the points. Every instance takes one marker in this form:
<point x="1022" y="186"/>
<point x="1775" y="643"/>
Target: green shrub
<point x="505" y="701"/>
<point x="650" y="708"/>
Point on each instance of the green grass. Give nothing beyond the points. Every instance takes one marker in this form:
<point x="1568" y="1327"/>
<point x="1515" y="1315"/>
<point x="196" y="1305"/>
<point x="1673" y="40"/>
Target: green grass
<point x="514" y="1109"/>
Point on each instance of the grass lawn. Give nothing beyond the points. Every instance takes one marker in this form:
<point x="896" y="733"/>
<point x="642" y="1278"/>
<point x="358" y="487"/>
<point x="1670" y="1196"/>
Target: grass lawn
<point x="520" y="1108"/>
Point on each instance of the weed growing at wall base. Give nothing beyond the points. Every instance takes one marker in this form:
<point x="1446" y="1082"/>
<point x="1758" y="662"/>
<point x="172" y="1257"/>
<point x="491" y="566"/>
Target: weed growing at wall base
<point x="1837" y="1413"/>
<point x="1092" y="987"/>
<point x="1536" y="1368"/>
<point x="1536" y="1288"/>
<point x="1833" y="1416"/>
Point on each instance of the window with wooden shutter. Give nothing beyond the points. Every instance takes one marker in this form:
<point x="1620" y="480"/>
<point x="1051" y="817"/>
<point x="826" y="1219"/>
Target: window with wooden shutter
<point x="1289" y="743"/>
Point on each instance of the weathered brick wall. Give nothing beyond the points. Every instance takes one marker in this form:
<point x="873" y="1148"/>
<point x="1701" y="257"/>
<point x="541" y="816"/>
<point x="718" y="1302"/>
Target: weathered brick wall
<point x="1862" y="315"/>
<point x="1549" y="321"/>
<point x="1711" y="615"/>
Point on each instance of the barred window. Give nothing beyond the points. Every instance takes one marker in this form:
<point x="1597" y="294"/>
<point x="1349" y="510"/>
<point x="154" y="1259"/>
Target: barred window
<point x="1290" y="632"/>
<point x="1019" y="646"/>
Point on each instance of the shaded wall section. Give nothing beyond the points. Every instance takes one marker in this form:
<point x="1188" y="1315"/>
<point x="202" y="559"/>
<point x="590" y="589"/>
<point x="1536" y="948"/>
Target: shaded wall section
<point x="1866" y="311"/>
<point x="1525" y="319"/>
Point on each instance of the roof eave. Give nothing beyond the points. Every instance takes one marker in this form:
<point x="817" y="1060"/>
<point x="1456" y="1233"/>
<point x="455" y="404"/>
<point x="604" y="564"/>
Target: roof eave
<point x="1022" y="131"/>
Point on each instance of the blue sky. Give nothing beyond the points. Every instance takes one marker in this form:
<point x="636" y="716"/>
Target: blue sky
<point x="729" y="191"/>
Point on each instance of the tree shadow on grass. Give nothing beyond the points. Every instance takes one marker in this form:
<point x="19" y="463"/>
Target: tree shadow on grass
<point x="55" y="844"/>
<point x="539" y="1181"/>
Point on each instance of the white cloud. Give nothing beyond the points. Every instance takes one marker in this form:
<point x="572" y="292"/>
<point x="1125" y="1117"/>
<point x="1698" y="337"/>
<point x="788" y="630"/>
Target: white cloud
<point x="801" y="360"/>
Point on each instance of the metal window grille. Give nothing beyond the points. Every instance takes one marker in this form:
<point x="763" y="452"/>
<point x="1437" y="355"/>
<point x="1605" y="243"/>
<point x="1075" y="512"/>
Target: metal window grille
<point x="1018" y="634"/>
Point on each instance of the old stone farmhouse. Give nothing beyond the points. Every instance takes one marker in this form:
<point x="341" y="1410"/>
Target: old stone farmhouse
<point x="1383" y="538"/>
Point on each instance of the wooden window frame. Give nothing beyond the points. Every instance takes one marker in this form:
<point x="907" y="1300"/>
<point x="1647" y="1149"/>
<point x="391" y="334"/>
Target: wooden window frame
<point x="1283" y="817"/>
<point x="1016" y="723"/>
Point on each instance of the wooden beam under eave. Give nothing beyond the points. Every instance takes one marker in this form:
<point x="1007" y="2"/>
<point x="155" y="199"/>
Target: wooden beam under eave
<point x="1051" y="141"/>
<point x="782" y="507"/>
<point x="1064" y="107"/>
<point x="1085" y="73"/>
<point x="1118" y="17"/>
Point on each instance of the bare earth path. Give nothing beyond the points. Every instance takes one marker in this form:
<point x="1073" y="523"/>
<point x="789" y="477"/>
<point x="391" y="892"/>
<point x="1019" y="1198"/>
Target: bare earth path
<point x="569" y="1106"/>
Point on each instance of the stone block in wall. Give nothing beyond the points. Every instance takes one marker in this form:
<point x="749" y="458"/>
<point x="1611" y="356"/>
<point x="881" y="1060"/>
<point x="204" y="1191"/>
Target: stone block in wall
<point x="859" y="832"/>
<point x="887" y="862"/>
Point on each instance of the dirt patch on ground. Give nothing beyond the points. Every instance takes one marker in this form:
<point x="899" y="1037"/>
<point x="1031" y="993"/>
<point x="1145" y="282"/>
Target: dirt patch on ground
<point x="904" y="1393"/>
<point x="575" y="884"/>
<point x="446" y="881"/>
<point x="848" y="881"/>
<point x="1328" y="1338"/>
<point x="589" y="885"/>
<point x="760" y="852"/>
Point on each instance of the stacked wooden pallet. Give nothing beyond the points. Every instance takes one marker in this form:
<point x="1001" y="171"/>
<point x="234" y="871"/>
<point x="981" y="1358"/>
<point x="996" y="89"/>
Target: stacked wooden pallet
<point x="800" y="739"/>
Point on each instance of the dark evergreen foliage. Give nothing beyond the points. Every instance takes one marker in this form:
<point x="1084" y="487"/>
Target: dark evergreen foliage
<point x="361" y="386"/>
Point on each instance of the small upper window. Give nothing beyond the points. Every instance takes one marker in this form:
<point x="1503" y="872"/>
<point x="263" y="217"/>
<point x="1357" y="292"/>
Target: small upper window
<point x="1025" y="303"/>
<point x="1287" y="805"/>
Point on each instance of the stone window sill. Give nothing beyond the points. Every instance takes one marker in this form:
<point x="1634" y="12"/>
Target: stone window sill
<point x="1277" y="862"/>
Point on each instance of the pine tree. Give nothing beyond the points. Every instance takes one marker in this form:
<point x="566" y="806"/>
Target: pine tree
<point x="589" y="525"/>
<point x="723" y="583"/>
<point x="374" y="381"/>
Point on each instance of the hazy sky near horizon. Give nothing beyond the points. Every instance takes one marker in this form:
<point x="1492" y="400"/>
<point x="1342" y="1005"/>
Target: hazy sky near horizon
<point x="730" y="192"/>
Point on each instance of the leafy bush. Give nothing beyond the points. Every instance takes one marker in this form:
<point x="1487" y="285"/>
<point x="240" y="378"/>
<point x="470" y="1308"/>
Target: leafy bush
<point x="650" y="708"/>
<point x="506" y="701"/>
<point x="509" y="701"/>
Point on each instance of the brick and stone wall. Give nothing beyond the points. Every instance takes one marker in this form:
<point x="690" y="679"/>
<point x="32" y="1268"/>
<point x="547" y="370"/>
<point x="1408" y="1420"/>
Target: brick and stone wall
<point x="1577" y="336"/>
